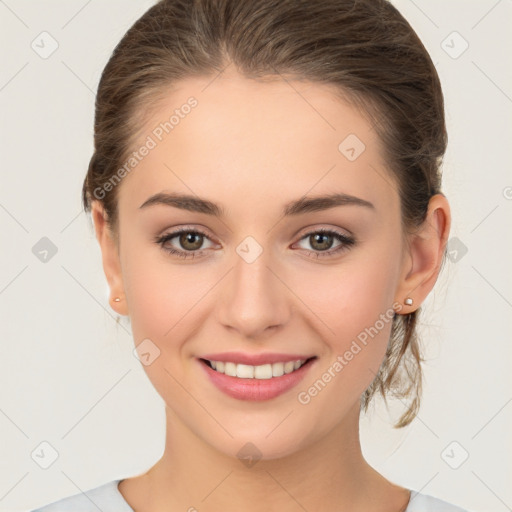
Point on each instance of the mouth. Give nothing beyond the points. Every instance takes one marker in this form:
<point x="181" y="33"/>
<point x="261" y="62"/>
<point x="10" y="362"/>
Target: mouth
<point x="256" y="382"/>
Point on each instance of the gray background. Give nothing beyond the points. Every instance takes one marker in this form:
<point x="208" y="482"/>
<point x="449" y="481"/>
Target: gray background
<point x="69" y="377"/>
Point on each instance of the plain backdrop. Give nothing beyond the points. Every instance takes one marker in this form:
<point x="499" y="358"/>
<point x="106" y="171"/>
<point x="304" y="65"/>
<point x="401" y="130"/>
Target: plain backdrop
<point x="70" y="385"/>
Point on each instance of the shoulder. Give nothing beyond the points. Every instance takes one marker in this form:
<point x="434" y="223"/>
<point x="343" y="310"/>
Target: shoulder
<point x="106" y="498"/>
<point x="425" y="503"/>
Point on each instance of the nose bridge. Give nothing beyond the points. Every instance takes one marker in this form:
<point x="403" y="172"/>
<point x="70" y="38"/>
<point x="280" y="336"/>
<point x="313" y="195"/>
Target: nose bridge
<point x="253" y="298"/>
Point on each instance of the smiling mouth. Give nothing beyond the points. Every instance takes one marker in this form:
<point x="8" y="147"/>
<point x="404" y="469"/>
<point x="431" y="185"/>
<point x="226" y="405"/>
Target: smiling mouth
<point x="264" y="371"/>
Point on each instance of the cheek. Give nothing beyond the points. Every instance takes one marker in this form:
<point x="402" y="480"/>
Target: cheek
<point x="164" y="301"/>
<point x="353" y="310"/>
<point x="158" y="292"/>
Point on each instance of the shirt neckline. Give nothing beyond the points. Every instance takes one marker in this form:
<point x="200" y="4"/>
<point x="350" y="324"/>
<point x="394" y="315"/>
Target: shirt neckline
<point x="412" y="494"/>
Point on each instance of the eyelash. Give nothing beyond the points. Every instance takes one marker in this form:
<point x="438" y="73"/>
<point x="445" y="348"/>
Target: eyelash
<point x="347" y="242"/>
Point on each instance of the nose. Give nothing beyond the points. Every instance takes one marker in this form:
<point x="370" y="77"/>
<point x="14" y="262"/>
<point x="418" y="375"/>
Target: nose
<point x="254" y="300"/>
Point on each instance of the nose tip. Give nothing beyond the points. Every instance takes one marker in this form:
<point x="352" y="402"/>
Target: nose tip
<point x="252" y="301"/>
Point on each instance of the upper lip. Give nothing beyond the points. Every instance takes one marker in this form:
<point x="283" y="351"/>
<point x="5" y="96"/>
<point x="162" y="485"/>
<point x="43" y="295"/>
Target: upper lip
<point x="255" y="359"/>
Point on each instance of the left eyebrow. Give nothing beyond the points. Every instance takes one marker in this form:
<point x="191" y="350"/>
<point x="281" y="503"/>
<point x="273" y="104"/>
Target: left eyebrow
<point x="297" y="207"/>
<point x="319" y="203"/>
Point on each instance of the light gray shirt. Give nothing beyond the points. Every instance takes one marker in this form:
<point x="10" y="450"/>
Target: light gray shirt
<point x="107" y="498"/>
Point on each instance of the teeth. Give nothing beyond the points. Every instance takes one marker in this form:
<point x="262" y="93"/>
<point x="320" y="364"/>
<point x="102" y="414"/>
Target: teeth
<point x="244" y="371"/>
<point x="289" y="367"/>
<point x="264" y="371"/>
<point x="230" y="369"/>
<point x="277" y="369"/>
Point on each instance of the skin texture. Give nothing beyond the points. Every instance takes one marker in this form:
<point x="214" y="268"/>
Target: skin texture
<point x="252" y="147"/>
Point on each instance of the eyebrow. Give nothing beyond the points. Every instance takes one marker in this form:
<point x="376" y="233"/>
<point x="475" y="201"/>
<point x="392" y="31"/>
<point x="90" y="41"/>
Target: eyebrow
<point x="297" y="207"/>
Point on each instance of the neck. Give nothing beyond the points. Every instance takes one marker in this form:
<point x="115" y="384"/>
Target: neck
<point x="331" y="474"/>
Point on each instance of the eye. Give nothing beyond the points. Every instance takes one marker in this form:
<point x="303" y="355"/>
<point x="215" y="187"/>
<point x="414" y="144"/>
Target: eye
<point x="190" y="239"/>
<point x="321" y="241"/>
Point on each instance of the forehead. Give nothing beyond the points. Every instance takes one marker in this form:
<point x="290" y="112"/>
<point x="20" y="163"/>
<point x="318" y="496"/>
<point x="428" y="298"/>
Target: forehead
<point x="226" y="137"/>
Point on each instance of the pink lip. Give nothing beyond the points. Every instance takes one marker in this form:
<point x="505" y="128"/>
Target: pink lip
<point x="255" y="389"/>
<point x="255" y="359"/>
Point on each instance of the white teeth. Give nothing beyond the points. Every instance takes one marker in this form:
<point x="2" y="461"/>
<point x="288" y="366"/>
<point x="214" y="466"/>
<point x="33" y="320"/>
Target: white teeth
<point x="230" y="369"/>
<point x="289" y="366"/>
<point x="244" y="371"/>
<point x="264" y="371"/>
<point x="277" y="369"/>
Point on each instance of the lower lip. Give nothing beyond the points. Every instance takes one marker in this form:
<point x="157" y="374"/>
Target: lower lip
<point x="256" y="389"/>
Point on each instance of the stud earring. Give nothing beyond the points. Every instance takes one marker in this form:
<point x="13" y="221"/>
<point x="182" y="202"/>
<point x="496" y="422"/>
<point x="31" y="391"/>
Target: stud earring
<point x="117" y="299"/>
<point x="408" y="301"/>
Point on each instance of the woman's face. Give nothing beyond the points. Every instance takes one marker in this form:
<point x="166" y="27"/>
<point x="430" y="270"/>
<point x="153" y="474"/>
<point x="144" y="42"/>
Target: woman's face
<point x="259" y="279"/>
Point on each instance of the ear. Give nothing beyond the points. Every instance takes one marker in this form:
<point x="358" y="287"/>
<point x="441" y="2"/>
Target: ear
<point x="424" y="253"/>
<point x="110" y="257"/>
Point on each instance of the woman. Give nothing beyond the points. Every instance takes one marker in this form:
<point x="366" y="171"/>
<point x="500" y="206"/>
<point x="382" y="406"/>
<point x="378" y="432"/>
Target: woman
<point x="266" y="193"/>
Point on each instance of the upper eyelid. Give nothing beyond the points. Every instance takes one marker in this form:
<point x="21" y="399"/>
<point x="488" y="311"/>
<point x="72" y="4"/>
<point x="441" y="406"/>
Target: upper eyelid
<point x="305" y="231"/>
<point x="310" y="231"/>
<point x="179" y="231"/>
<point x="341" y="231"/>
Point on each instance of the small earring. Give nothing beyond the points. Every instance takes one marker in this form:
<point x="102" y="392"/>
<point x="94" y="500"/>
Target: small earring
<point x="117" y="299"/>
<point x="408" y="301"/>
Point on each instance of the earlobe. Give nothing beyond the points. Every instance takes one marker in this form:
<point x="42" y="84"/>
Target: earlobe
<point x="110" y="258"/>
<point x="426" y="248"/>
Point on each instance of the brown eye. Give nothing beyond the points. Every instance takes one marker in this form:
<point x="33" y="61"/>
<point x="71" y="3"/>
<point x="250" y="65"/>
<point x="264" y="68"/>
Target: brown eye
<point x="191" y="241"/>
<point x="321" y="241"/>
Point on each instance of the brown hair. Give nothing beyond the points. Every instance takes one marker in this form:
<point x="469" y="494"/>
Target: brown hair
<point x="364" y="48"/>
